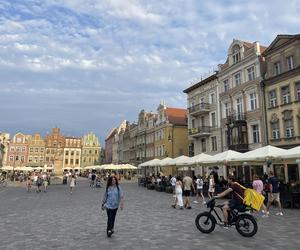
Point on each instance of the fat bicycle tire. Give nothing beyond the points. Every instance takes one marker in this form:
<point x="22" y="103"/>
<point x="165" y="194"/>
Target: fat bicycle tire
<point x="201" y="219"/>
<point x="244" y="221"/>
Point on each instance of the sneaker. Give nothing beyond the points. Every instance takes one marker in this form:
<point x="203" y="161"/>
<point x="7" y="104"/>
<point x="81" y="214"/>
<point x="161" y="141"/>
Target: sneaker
<point x="266" y="215"/>
<point x="173" y="206"/>
<point x="109" y="233"/>
<point x="263" y="211"/>
<point x="279" y="213"/>
<point x="196" y="202"/>
<point x="225" y="226"/>
<point x="189" y="207"/>
<point x="204" y="202"/>
<point x="181" y="208"/>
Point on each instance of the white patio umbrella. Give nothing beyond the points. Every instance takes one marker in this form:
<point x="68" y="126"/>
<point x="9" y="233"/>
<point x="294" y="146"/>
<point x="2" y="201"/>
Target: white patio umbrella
<point x="153" y="163"/>
<point x="7" y="168"/>
<point x="261" y="154"/>
<point x="38" y="168"/>
<point x="182" y="161"/>
<point x="25" y="168"/>
<point x="128" y="167"/>
<point x="293" y="153"/>
<point x="200" y="158"/>
<point x="221" y="158"/>
<point x="165" y="162"/>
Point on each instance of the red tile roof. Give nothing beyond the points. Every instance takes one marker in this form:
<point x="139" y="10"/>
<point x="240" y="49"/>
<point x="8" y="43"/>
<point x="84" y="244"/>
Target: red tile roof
<point x="177" y="116"/>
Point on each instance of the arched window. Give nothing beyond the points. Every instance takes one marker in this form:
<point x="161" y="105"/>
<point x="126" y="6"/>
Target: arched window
<point x="236" y="54"/>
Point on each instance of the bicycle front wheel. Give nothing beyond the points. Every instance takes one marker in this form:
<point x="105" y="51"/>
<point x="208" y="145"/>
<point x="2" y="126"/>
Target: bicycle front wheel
<point x="205" y="222"/>
<point x="246" y="225"/>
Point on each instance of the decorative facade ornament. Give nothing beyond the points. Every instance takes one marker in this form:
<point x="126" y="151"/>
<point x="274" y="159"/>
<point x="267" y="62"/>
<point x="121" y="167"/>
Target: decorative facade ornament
<point x="274" y="118"/>
<point x="287" y="115"/>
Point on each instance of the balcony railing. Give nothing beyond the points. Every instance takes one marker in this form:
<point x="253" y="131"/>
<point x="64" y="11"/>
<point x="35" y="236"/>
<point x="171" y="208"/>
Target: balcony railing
<point x="200" y="131"/>
<point x="199" y="108"/>
<point x="239" y="147"/>
<point x="235" y="117"/>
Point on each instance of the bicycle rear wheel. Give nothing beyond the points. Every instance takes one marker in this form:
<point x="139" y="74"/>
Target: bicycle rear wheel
<point x="246" y="225"/>
<point x="205" y="222"/>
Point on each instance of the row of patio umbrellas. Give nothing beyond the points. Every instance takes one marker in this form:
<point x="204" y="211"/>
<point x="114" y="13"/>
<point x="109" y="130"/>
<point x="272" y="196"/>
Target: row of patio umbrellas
<point x="259" y="155"/>
<point x="111" y="167"/>
<point x="24" y="168"/>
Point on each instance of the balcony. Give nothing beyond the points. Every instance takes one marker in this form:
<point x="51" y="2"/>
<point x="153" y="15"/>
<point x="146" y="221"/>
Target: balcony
<point x="198" y="109"/>
<point x="236" y="117"/>
<point x="242" y="148"/>
<point x="200" y="131"/>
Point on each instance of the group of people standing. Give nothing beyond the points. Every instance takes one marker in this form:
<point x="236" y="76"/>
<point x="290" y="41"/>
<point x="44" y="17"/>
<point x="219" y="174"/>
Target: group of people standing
<point x="41" y="180"/>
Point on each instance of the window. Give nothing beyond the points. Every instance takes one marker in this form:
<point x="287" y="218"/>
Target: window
<point x="253" y="102"/>
<point x="289" y="128"/>
<point x="290" y="62"/>
<point x="251" y="74"/>
<point x="286" y="98"/>
<point x="213" y="119"/>
<point x="31" y="150"/>
<point x="36" y="150"/>
<point x="18" y="149"/>
<point x="237" y="79"/>
<point x="22" y="158"/>
<point x="72" y="152"/>
<point x="77" y="161"/>
<point x="67" y="152"/>
<point x="214" y="143"/>
<point x="236" y="54"/>
<point x="66" y="161"/>
<point x="193" y="123"/>
<point x="203" y="145"/>
<point x="277" y="68"/>
<point x="12" y="149"/>
<point x="226" y="109"/>
<point x="298" y="91"/>
<point x="212" y="98"/>
<point x="71" y="161"/>
<point x="23" y="149"/>
<point x="273" y="98"/>
<point x="11" y="158"/>
<point x="226" y="85"/>
<point x="30" y="159"/>
<point x="275" y="130"/>
<point x="239" y="105"/>
<point x="42" y="150"/>
<point x="255" y="133"/>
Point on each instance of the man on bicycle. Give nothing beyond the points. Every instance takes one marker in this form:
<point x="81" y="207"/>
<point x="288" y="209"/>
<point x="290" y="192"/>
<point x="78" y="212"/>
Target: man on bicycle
<point x="236" y="202"/>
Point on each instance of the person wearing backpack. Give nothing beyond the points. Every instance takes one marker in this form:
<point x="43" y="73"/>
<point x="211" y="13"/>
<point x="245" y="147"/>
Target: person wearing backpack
<point x="113" y="199"/>
<point x="236" y="202"/>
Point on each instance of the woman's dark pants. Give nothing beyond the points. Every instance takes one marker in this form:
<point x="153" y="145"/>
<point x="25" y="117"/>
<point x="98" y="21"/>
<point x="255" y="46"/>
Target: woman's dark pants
<point x="111" y="216"/>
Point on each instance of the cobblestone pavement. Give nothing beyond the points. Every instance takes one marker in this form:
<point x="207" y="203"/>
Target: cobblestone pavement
<point x="58" y="220"/>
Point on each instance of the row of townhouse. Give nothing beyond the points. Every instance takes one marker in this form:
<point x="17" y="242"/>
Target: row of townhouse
<point x="252" y="100"/>
<point x="54" y="150"/>
<point x="155" y="135"/>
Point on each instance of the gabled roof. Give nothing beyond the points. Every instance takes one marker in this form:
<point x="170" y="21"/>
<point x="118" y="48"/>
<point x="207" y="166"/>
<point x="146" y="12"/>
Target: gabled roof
<point x="202" y="82"/>
<point x="279" y="41"/>
<point x="176" y="116"/>
<point x="111" y="134"/>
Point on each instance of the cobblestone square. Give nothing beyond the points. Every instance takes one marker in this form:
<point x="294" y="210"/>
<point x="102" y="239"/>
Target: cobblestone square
<point x="58" y="220"/>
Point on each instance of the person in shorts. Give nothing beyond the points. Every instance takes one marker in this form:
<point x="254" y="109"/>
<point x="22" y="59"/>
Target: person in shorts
<point x="273" y="195"/>
<point x="188" y="186"/>
<point x="199" y="189"/>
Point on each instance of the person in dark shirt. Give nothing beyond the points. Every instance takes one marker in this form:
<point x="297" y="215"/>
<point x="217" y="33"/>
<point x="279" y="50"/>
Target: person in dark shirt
<point x="236" y="202"/>
<point x="273" y="195"/>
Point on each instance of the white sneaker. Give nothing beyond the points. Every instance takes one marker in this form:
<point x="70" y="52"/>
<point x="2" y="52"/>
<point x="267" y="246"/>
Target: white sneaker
<point x="195" y="201"/>
<point x="263" y="211"/>
<point x="266" y="215"/>
<point x="279" y="213"/>
<point x="204" y="202"/>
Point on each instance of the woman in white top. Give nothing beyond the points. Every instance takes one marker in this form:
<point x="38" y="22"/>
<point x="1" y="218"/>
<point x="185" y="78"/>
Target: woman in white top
<point x="72" y="183"/>
<point x="211" y="187"/>
<point x="178" y="193"/>
<point x="199" y="191"/>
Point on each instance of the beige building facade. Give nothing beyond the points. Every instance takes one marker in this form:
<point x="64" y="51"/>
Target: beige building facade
<point x="36" y="153"/>
<point x="240" y="97"/>
<point x="72" y="153"/>
<point x="91" y="150"/>
<point x="204" y="117"/>
<point x="282" y="91"/>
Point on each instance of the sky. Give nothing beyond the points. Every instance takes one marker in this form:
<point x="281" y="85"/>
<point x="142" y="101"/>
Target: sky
<point x="87" y="65"/>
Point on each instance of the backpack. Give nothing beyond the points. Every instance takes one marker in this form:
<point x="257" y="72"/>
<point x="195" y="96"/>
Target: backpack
<point x="251" y="198"/>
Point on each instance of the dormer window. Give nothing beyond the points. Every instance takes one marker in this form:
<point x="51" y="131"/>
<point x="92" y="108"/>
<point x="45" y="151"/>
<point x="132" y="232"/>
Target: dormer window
<point x="236" y="54"/>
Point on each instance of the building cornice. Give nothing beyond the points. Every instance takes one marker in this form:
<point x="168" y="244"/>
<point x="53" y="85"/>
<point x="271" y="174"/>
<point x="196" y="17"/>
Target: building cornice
<point x="282" y="77"/>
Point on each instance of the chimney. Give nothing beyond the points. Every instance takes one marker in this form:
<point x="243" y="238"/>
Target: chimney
<point x="256" y="48"/>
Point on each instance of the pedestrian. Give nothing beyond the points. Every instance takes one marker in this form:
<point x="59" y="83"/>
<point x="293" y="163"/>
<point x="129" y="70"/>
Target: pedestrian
<point x="178" y="193"/>
<point x="113" y="199"/>
<point x="273" y="195"/>
<point x="29" y="183"/>
<point x="45" y="183"/>
<point x="199" y="189"/>
<point x="39" y="183"/>
<point x="188" y="186"/>
<point x="211" y="186"/>
<point x="258" y="186"/>
<point x="72" y="183"/>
